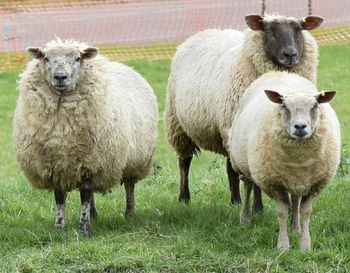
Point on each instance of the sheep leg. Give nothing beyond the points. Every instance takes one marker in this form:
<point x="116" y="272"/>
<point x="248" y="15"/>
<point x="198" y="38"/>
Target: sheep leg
<point x="85" y="197"/>
<point x="93" y="210"/>
<point x="282" y="212"/>
<point x="246" y="214"/>
<point x="233" y="179"/>
<point x="257" y="204"/>
<point x="295" y="214"/>
<point x="184" y="166"/>
<point x="305" y="211"/>
<point x="60" y="198"/>
<point x="130" y="198"/>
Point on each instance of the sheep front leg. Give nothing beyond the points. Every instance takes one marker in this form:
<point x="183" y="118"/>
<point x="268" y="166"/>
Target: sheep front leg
<point x="130" y="198"/>
<point x="233" y="180"/>
<point x="184" y="166"/>
<point x="305" y="211"/>
<point x="60" y="198"/>
<point x="85" y="197"/>
<point x="282" y="212"/>
<point x="246" y="214"/>
<point x="295" y="214"/>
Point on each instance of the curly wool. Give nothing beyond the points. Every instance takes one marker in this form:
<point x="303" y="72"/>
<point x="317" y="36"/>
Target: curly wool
<point x="210" y="72"/>
<point x="103" y="132"/>
<point x="262" y="150"/>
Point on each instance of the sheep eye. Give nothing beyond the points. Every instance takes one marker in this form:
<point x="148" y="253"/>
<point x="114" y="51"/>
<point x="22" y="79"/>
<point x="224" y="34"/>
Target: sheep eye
<point x="46" y="59"/>
<point x="78" y="59"/>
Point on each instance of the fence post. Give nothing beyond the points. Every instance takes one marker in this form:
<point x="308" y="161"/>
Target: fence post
<point x="263" y="7"/>
<point x="310" y="7"/>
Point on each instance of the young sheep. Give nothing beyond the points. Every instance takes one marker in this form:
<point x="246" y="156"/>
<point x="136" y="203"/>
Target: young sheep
<point x="286" y="142"/>
<point x="211" y="70"/>
<point x="83" y="122"/>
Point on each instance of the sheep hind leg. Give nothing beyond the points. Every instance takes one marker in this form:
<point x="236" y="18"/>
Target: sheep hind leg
<point x="233" y="180"/>
<point x="246" y="213"/>
<point x="305" y="211"/>
<point x="130" y="197"/>
<point x="93" y="210"/>
<point x="85" y="197"/>
<point x="184" y="167"/>
<point x="60" y="198"/>
<point x="295" y="214"/>
<point x="183" y="145"/>
<point x="257" y="204"/>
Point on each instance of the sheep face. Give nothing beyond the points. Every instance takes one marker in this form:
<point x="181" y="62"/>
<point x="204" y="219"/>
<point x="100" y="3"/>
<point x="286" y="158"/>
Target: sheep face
<point x="300" y="112"/>
<point x="283" y="36"/>
<point x="62" y="66"/>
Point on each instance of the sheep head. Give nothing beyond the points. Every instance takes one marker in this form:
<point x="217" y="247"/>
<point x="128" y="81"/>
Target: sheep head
<point x="62" y="64"/>
<point x="283" y="37"/>
<point x="300" y="112"/>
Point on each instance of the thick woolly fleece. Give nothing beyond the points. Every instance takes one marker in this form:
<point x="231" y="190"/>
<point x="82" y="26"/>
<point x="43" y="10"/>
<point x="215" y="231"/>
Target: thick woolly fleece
<point x="210" y="72"/>
<point x="262" y="150"/>
<point x="103" y="132"/>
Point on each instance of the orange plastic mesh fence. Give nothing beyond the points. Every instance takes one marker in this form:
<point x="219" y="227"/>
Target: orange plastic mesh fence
<point x="145" y="29"/>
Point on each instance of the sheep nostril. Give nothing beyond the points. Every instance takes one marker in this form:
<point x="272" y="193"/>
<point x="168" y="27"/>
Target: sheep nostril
<point x="290" y="55"/>
<point x="300" y="126"/>
<point x="60" y="77"/>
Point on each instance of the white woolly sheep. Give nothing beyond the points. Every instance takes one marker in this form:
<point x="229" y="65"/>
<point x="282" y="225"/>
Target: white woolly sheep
<point x="287" y="142"/>
<point x="83" y="122"/>
<point x="211" y="70"/>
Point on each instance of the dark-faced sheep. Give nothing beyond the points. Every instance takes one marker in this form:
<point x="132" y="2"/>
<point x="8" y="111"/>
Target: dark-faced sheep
<point x="210" y="72"/>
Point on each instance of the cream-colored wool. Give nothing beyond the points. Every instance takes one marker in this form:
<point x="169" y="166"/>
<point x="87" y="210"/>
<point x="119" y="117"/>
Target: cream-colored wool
<point x="210" y="72"/>
<point x="105" y="130"/>
<point x="262" y="150"/>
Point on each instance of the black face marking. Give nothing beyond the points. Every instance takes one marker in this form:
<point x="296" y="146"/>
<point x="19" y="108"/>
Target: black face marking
<point x="286" y="112"/>
<point x="313" y="112"/>
<point x="283" y="42"/>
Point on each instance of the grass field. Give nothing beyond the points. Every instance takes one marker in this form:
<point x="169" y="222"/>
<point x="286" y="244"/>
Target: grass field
<point x="163" y="235"/>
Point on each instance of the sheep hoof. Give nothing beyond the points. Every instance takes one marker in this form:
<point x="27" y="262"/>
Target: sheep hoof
<point x="85" y="229"/>
<point x="258" y="207"/>
<point x="305" y="246"/>
<point x="296" y="230"/>
<point x="128" y="213"/>
<point x="60" y="226"/>
<point x="184" y="199"/>
<point x="305" y="249"/>
<point x="283" y="246"/>
<point x="236" y="200"/>
<point x="245" y="219"/>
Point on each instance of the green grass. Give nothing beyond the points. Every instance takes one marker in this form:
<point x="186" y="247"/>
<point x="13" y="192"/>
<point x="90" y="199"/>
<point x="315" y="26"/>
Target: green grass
<point x="164" y="236"/>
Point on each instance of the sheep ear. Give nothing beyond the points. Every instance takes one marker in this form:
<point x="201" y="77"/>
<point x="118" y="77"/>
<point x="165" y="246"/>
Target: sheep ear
<point x="255" y="22"/>
<point x="274" y="96"/>
<point x="311" y="22"/>
<point x="35" y="52"/>
<point x="325" y="96"/>
<point x="89" y="53"/>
